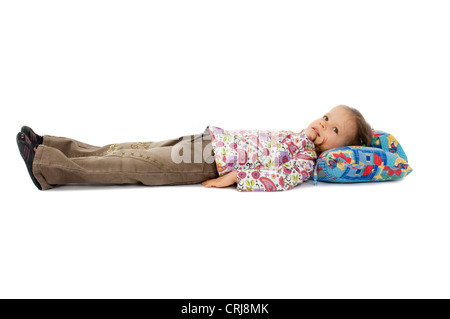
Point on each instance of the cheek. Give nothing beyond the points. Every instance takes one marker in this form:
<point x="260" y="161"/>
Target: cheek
<point x="330" y="140"/>
<point x="337" y="142"/>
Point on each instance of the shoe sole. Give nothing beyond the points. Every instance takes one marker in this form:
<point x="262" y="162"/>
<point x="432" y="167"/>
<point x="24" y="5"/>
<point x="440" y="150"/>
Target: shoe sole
<point x="29" y="167"/>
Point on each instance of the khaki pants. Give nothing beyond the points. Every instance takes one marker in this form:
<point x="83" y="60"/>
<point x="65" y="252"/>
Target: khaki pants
<point x="61" y="160"/>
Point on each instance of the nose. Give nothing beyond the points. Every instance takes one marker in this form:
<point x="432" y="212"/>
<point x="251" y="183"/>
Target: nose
<point x="322" y="123"/>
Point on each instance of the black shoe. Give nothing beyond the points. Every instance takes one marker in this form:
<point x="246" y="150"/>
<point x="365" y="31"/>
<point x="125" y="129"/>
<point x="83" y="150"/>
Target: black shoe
<point x="27" y="151"/>
<point x="34" y="138"/>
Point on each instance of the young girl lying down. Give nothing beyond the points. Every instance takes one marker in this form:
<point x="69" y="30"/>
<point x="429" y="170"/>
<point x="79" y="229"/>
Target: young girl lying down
<point x="256" y="160"/>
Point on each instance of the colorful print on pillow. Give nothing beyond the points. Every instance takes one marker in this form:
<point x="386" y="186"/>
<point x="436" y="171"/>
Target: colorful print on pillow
<point x="384" y="161"/>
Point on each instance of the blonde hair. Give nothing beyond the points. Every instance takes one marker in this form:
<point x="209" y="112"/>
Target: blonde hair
<point x="363" y="134"/>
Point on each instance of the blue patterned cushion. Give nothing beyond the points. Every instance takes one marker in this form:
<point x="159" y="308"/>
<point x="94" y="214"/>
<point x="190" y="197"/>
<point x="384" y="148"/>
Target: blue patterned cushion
<point x="385" y="160"/>
<point x="388" y="143"/>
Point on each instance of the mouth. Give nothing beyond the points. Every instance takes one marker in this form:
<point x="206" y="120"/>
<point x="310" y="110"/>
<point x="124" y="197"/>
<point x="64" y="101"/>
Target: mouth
<point x="317" y="132"/>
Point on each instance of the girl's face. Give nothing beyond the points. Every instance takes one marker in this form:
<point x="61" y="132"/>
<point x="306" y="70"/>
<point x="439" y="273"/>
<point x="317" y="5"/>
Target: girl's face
<point x="335" y="129"/>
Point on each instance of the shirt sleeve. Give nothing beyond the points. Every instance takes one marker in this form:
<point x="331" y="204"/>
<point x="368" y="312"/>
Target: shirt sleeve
<point x="287" y="176"/>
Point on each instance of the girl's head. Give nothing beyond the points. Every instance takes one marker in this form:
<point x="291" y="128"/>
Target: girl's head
<point x="342" y="126"/>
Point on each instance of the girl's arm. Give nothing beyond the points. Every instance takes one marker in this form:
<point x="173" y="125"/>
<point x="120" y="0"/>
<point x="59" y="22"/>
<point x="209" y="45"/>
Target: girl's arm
<point x="222" y="181"/>
<point x="290" y="174"/>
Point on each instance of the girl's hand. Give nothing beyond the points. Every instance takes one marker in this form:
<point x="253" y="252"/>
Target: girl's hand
<point x="222" y="181"/>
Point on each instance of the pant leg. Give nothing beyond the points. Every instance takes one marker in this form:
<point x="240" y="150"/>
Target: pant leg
<point x="73" y="148"/>
<point x="61" y="161"/>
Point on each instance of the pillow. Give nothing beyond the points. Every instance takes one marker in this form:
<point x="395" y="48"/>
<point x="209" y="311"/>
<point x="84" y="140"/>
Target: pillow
<point x="384" y="160"/>
<point x="388" y="143"/>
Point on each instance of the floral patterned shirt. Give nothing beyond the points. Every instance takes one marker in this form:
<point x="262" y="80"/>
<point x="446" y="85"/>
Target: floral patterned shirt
<point x="264" y="160"/>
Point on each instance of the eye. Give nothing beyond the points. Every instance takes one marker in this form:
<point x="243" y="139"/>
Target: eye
<point x="335" y="130"/>
<point x="325" y="118"/>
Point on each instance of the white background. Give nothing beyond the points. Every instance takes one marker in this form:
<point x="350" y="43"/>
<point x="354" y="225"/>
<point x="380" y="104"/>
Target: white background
<point x="117" y="71"/>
